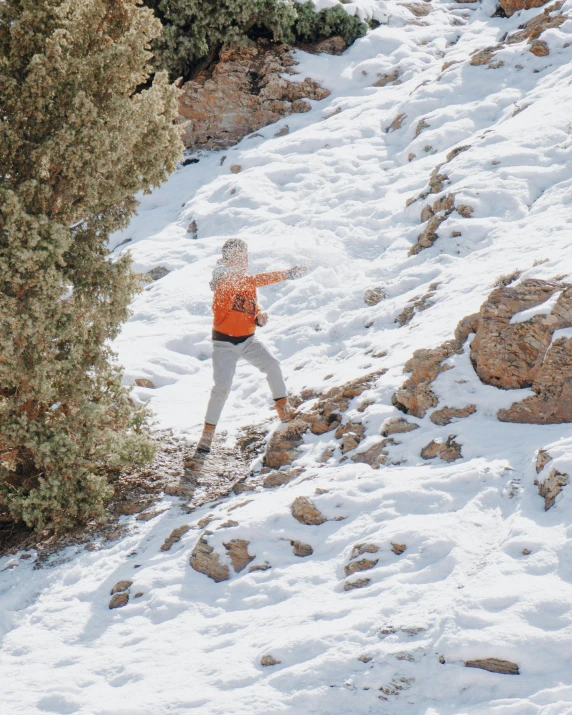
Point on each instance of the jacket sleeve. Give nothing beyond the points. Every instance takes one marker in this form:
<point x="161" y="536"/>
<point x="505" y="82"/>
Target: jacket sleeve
<point x="266" y="279"/>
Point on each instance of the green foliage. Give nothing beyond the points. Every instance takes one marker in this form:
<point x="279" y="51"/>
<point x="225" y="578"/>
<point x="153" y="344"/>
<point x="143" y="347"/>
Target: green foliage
<point x="313" y="26"/>
<point x="77" y="141"/>
<point x="195" y="31"/>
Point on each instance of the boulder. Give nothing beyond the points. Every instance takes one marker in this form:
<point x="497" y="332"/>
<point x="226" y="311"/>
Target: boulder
<point x="359" y="583"/>
<point x="283" y="445"/>
<point x="244" y="91"/>
<point x="119" y="600"/>
<point x="446" y="415"/>
<point x="361" y="565"/>
<point x="237" y="549"/>
<point x="397" y="425"/>
<point x="494" y="665"/>
<point x="398" y="549"/>
<point x="175" y="536"/>
<point x="206" y="561"/>
<point x="277" y="479"/>
<point x="375" y="456"/>
<point x="551" y="487"/>
<point x="512" y="6"/>
<point x="121" y="586"/>
<point x="359" y="549"/>
<point x="373" y="296"/>
<point x="301" y="549"/>
<point x="144" y="382"/>
<point x="448" y="451"/>
<point x="304" y="511"/>
<point x="268" y="660"/>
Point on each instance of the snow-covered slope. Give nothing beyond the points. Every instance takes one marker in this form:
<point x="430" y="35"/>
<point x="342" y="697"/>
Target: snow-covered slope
<point x="332" y="193"/>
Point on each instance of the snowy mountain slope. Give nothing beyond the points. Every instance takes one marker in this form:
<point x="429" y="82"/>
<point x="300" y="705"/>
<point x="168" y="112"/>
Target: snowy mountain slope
<point x="332" y="193"/>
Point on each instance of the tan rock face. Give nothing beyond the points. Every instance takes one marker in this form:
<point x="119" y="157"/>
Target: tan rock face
<point x="448" y="451"/>
<point x="512" y="6"/>
<point x="542" y="459"/>
<point x="446" y="415"/>
<point x="397" y="425"/>
<point x="206" y="561"/>
<point x="277" y="479"/>
<point x="551" y="487"/>
<point x="283" y="445"/>
<point x="375" y="456"/>
<point x="237" y="549"/>
<point x="243" y="92"/>
<point x="361" y="565"/>
<point x="494" y="665"/>
<point x="304" y="511"/>
<point x="119" y="600"/>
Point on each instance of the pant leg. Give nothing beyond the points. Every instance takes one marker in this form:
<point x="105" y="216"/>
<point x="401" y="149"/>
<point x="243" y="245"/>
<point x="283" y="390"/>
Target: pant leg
<point x="225" y="357"/>
<point x="257" y="354"/>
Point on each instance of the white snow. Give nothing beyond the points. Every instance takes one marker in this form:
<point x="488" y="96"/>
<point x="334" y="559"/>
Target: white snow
<point x="332" y="194"/>
<point x="543" y="309"/>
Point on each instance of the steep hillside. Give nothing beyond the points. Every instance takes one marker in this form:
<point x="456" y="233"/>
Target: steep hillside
<point x="438" y="170"/>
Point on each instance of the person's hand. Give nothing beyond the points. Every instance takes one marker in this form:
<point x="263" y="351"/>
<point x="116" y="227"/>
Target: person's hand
<point x="296" y="272"/>
<point x="261" y="318"/>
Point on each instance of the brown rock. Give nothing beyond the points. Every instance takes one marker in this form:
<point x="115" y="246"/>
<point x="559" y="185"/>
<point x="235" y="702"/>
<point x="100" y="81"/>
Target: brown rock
<point x="494" y="665"/>
<point x="397" y="425"/>
<point x="533" y="28"/>
<point x="148" y="515"/>
<point x="228" y="524"/>
<point x="259" y="567"/>
<point x="238" y="551"/>
<point x="175" y="536"/>
<point x="121" y="586"/>
<point x="139" y="594"/>
<point x="512" y="6"/>
<point x="359" y="549"/>
<point x="365" y="658"/>
<point x="464" y="210"/>
<point x="156" y="274"/>
<point x="241" y="487"/>
<point x="268" y="660"/>
<point x="277" y="479"/>
<point x="421" y="125"/>
<point x="144" y="382"/>
<point x="243" y="92"/>
<point x="282" y="132"/>
<point x="418" y="9"/>
<point x="542" y="459"/>
<point x="306" y="512"/>
<point x="387" y="79"/>
<point x="397" y="123"/>
<point x="373" y="296"/>
<point x="446" y="415"/>
<point x="235" y="169"/>
<point x="483" y="57"/>
<point x="398" y="549"/>
<point x="360" y="583"/>
<point x="206" y="561"/>
<point x="448" y="451"/>
<point x="283" y="445"/>
<point x="375" y="456"/>
<point x="301" y="549"/>
<point x="119" y="600"/>
<point x="551" y="487"/>
<point x="361" y="565"/>
<point x="173" y="490"/>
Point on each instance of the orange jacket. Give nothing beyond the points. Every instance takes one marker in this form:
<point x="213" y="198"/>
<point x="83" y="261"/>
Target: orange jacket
<point x="235" y="304"/>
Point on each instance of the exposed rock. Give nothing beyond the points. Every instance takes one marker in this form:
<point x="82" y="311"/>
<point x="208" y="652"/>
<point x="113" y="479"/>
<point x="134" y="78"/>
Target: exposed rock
<point x="144" y="382"/>
<point x="243" y="92"/>
<point x="446" y="415"/>
<point x="228" y="524"/>
<point x="193" y="229"/>
<point x="397" y="123"/>
<point x="375" y="456"/>
<point x="119" y="600"/>
<point x="361" y="565"/>
<point x="282" y="132"/>
<point x="387" y="79"/>
<point x="539" y="48"/>
<point x="138" y="594"/>
<point x="416" y="396"/>
<point x="235" y="169"/>
<point x="360" y="583"/>
<point x="512" y="6"/>
<point x="373" y="296"/>
<point x="301" y="549"/>
<point x="259" y="567"/>
<point x="283" y="445"/>
<point x="359" y="549"/>
<point x="417" y="304"/>
<point x="533" y="28"/>
<point x="277" y="479"/>
<point x="175" y="536"/>
<point x="448" y="451"/>
<point x="238" y="551"/>
<point x="241" y="487"/>
<point x="365" y="658"/>
<point x="551" y="487"/>
<point x="121" y="586"/>
<point x="206" y="561"/>
<point x="542" y="459"/>
<point x="156" y="273"/>
<point x="418" y="9"/>
<point x="397" y="425"/>
<point x="148" y="515"/>
<point x="483" y="57"/>
<point x="464" y="210"/>
<point x="421" y="125"/>
<point x="398" y="549"/>
<point x="267" y="660"/>
<point x="526" y="552"/>
<point x="331" y="46"/>
<point x="306" y="512"/>
<point x="494" y="665"/>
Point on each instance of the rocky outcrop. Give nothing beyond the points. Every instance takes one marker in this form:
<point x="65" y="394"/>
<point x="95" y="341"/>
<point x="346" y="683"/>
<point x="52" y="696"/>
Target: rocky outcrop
<point x="398" y="549"/>
<point x="446" y="415"/>
<point x="206" y="561"/>
<point x="175" y="536"/>
<point x="494" y="665"/>
<point x="512" y="6"/>
<point x="372" y="296"/>
<point x="361" y="565"/>
<point x="283" y="445"/>
<point x="304" y="511"/>
<point x="375" y="456"/>
<point x="237" y="550"/>
<point x="360" y="583"/>
<point x="300" y="549"/>
<point x="241" y="93"/>
<point x="397" y="425"/>
<point x="359" y="549"/>
<point x="448" y="451"/>
<point x="551" y="487"/>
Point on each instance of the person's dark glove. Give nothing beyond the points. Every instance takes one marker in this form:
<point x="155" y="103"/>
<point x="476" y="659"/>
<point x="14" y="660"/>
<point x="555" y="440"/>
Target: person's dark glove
<point x="296" y="272"/>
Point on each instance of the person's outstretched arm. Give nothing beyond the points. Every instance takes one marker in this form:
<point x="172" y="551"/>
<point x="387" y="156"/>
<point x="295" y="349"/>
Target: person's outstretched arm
<point x="266" y="279"/>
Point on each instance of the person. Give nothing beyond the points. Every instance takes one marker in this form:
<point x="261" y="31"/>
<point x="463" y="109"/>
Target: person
<point x="236" y="317"/>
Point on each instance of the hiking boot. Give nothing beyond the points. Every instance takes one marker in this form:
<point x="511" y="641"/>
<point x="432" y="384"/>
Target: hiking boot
<point x="206" y="440"/>
<point x="284" y="409"/>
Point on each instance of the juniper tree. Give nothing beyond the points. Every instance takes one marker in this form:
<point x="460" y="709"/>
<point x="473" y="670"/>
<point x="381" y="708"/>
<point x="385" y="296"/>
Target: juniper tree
<point x="196" y="30"/>
<point x="78" y="139"/>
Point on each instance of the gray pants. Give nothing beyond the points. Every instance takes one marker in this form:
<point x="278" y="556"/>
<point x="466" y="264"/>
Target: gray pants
<point x="225" y="357"/>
